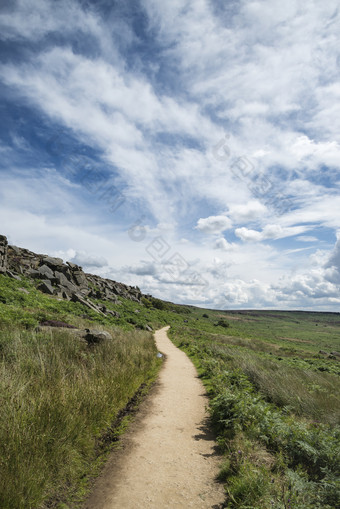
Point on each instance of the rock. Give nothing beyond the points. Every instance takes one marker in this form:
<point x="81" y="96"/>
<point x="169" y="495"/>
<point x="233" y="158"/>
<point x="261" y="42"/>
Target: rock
<point x="53" y="263"/>
<point x="46" y="287"/>
<point x="23" y="290"/>
<point x="323" y="352"/>
<point x="13" y="276"/>
<point x="78" y="298"/>
<point x="336" y="354"/>
<point x="34" y="274"/>
<point x="3" y="253"/>
<point x="112" y="313"/>
<point x="97" y="336"/>
<point x="46" y="272"/>
<point x="67" y="278"/>
<point x="147" y="327"/>
<point x="62" y="279"/>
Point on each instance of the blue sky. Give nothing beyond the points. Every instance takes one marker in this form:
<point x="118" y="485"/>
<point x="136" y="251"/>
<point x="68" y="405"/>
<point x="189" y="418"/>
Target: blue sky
<point x="190" y="147"/>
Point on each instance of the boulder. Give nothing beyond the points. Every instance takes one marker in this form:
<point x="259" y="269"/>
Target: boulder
<point x="46" y="287"/>
<point x="96" y="336"/>
<point x="46" y="272"/>
<point x="53" y="263"/>
<point x="34" y="274"/>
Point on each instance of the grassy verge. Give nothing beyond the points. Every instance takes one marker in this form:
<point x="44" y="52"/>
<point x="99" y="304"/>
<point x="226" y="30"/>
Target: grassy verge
<point x="58" y="397"/>
<point x="278" y="424"/>
<point x="61" y="399"/>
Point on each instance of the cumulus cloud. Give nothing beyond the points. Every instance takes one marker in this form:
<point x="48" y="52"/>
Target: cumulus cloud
<point x="214" y="224"/>
<point x="250" y="211"/>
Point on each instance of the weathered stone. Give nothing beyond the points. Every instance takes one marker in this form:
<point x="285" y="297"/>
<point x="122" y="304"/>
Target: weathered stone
<point x="323" y="352"/>
<point x="61" y="278"/>
<point x="23" y="290"/>
<point x="68" y="278"/>
<point x="79" y="298"/>
<point x="13" y="276"/>
<point x="148" y="328"/>
<point x="46" y="272"/>
<point x="34" y="274"/>
<point x="3" y="253"/>
<point x="336" y="354"/>
<point x="97" y="336"/>
<point x="53" y="263"/>
<point x="46" y="287"/>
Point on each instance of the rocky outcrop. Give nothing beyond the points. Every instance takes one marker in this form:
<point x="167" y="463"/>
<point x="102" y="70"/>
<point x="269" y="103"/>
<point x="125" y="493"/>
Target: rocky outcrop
<point x="63" y="280"/>
<point x="3" y="253"/>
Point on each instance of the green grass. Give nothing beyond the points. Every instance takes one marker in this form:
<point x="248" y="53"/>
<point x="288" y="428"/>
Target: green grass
<point x="274" y="397"/>
<point x="274" y="402"/>
<point x="58" y="397"/>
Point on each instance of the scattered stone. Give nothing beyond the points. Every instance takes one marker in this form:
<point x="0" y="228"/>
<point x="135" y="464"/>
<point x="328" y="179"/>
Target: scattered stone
<point x="97" y="336"/>
<point x="336" y="354"/>
<point x="23" y="290"/>
<point x="13" y="276"/>
<point x="78" y="298"/>
<point x="323" y="352"/>
<point x="148" y="328"/>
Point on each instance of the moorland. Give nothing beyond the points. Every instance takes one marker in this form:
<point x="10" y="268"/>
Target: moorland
<point x="272" y="379"/>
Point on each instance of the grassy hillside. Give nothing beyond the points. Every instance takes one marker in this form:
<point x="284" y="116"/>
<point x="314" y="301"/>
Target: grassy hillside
<point x="274" y="397"/>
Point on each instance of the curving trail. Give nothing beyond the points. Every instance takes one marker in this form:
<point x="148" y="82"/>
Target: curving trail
<point x="168" y="460"/>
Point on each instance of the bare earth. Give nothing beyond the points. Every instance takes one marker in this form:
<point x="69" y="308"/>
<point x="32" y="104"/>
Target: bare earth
<point x="168" y="458"/>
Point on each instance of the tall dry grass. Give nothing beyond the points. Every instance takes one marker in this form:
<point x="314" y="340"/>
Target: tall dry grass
<point x="57" y="396"/>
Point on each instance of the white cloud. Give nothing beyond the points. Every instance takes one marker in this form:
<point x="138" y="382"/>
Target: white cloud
<point x="224" y="245"/>
<point x="250" y="211"/>
<point x="270" y="231"/>
<point x="307" y="238"/>
<point x="214" y="224"/>
<point x="260" y="76"/>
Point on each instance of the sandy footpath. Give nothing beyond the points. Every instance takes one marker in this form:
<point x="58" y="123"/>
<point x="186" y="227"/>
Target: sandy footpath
<point x="168" y="458"/>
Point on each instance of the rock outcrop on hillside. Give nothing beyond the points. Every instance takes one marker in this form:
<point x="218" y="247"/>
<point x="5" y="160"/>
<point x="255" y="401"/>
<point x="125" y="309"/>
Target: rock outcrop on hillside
<point x="64" y="280"/>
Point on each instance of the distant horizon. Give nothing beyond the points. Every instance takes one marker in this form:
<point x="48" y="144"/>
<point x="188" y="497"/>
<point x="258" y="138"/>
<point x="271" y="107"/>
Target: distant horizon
<point x="189" y="148"/>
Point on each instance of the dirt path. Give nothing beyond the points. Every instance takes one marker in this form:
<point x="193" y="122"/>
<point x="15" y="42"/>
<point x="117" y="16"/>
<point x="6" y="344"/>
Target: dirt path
<point x="168" y="459"/>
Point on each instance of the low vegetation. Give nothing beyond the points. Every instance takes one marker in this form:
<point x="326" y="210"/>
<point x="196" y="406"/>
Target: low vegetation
<point x="276" y="409"/>
<point x="60" y="397"/>
<point x="273" y="379"/>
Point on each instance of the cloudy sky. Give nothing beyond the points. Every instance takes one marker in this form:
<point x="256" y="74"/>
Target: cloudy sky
<point x="191" y="147"/>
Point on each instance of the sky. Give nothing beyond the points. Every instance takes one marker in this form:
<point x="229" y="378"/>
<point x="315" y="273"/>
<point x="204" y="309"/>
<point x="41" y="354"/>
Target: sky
<point x="190" y="147"/>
